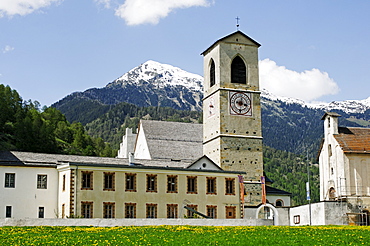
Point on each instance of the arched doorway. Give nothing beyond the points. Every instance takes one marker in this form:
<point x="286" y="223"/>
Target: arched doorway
<point x="274" y="210"/>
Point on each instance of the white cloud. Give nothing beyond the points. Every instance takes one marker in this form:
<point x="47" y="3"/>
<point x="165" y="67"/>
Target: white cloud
<point x="22" y="7"/>
<point x="136" y="12"/>
<point x="308" y="85"/>
<point x="105" y="3"/>
<point x="7" y="49"/>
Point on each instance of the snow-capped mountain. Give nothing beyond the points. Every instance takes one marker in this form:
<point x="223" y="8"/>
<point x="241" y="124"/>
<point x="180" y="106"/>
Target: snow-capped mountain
<point x="160" y="76"/>
<point x="156" y="84"/>
<point x="347" y="106"/>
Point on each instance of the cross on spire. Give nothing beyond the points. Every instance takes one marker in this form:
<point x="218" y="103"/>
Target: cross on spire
<point x="237" y="23"/>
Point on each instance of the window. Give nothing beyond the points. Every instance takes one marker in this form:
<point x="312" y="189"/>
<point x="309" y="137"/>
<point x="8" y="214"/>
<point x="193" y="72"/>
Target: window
<point x="109" y="181"/>
<point x="190" y="214"/>
<point x="212" y="211"/>
<point x="230" y="186"/>
<point x="172" y="211"/>
<point x="41" y="212"/>
<point x="151" y="211"/>
<point x="230" y="212"/>
<point x="9" y="180"/>
<point x="238" y="71"/>
<point x="131" y="182"/>
<point x="211" y="185"/>
<point x="279" y="203"/>
<point x="192" y="185"/>
<point x="151" y="183"/>
<point x="108" y="210"/>
<point x="329" y="150"/>
<point x="42" y="181"/>
<point x="297" y="219"/>
<point x="63" y="211"/>
<point x="130" y="210"/>
<point x="8" y="212"/>
<point x="87" y="180"/>
<point x="64" y="183"/>
<point x="86" y="209"/>
<point x="171" y="184"/>
<point x="212" y="75"/>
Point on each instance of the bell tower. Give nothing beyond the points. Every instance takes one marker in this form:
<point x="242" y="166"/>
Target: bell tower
<point x="232" y="129"/>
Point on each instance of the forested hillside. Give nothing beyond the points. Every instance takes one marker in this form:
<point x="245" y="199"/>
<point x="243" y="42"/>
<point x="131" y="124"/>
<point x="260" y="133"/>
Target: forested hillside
<point x="26" y="127"/>
<point x="289" y="173"/>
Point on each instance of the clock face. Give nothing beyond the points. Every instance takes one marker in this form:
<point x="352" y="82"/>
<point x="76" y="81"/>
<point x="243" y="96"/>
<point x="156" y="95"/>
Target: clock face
<point x="240" y="103"/>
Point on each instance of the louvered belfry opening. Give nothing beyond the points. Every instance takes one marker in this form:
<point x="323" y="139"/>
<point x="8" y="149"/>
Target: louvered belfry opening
<point x="238" y="71"/>
<point x="212" y="76"/>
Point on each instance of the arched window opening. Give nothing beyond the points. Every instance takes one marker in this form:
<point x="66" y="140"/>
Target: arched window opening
<point x="279" y="203"/>
<point x="212" y="75"/>
<point x="238" y="71"/>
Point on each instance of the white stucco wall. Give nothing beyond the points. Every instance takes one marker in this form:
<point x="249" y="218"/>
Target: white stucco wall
<point x="25" y="199"/>
<point x="141" y="147"/>
<point x="273" y="198"/>
<point x="322" y="213"/>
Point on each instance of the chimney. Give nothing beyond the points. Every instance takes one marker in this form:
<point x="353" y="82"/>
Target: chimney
<point x="131" y="159"/>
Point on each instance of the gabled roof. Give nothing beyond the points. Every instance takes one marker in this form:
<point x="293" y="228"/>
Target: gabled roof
<point x="173" y="140"/>
<point x="234" y="33"/>
<point x="202" y="159"/>
<point x="354" y="139"/>
<point x="332" y="114"/>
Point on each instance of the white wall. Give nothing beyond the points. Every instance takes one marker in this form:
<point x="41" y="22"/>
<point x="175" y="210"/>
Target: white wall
<point x="25" y="198"/>
<point x="322" y="213"/>
<point x="133" y="222"/>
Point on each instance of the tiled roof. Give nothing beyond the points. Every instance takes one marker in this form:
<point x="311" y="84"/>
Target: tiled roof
<point x="274" y="191"/>
<point x="17" y="158"/>
<point x="173" y="140"/>
<point x="30" y="159"/>
<point x="354" y="139"/>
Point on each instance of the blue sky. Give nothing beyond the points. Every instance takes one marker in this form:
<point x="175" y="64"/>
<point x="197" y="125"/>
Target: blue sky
<point x="314" y="50"/>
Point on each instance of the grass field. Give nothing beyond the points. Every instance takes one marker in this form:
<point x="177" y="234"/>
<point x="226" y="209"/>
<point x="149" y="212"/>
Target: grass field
<point x="186" y="235"/>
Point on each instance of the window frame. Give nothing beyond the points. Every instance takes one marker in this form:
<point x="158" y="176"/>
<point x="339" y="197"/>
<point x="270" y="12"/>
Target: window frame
<point x="296" y="219"/>
<point x="151" y="183"/>
<point x="233" y="208"/>
<point x="192" y="182"/>
<point x="211" y="211"/>
<point x="172" y="211"/>
<point x="87" y="180"/>
<point x="279" y="206"/>
<point x="109" y="181"/>
<point x="87" y="208"/>
<point x="130" y="182"/>
<point x="151" y="210"/>
<point x="230" y="186"/>
<point x="8" y="211"/>
<point x="109" y="210"/>
<point x="130" y="210"/>
<point x="191" y="214"/>
<point x="171" y="183"/>
<point x="212" y="73"/>
<point x="238" y="76"/>
<point x="41" y="213"/>
<point x="42" y="184"/>
<point x="9" y="182"/>
<point x="211" y="185"/>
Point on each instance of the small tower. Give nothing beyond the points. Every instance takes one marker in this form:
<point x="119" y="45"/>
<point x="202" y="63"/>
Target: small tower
<point x="232" y="130"/>
<point x="331" y="167"/>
